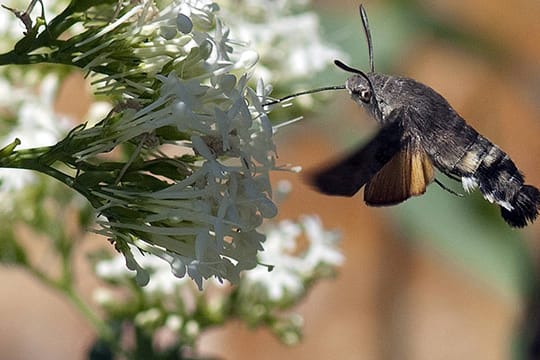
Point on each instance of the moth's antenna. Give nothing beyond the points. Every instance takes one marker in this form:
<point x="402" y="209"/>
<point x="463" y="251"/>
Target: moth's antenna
<point x="326" y="88"/>
<point x="347" y="68"/>
<point x="365" y="23"/>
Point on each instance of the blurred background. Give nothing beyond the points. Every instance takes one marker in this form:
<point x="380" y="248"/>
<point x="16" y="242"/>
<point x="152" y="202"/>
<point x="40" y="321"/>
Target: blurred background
<point x="438" y="277"/>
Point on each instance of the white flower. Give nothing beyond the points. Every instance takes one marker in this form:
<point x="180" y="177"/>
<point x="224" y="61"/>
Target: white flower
<point x="290" y="270"/>
<point x="322" y="248"/>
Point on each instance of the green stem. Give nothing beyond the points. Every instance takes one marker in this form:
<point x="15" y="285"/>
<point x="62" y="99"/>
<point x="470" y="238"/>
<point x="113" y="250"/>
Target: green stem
<point x="101" y="327"/>
<point x="31" y="159"/>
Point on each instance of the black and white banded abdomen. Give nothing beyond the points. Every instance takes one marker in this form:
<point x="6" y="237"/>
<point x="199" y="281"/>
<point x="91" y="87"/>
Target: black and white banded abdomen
<point x="484" y="165"/>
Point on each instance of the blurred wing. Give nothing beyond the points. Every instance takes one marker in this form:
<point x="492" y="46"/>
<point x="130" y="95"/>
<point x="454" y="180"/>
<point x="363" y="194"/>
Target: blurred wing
<point x="407" y="174"/>
<point x="347" y="176"/>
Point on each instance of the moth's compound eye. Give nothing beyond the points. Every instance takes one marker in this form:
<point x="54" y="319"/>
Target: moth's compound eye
<point x="360" y="89"/>
<point x="365" y="95"/>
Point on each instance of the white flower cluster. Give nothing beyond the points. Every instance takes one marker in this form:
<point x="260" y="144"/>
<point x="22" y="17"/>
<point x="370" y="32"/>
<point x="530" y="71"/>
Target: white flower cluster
<point x="194" y="186"/>
<point x="298" y="252"/>
<point x="186" y="38"/>
<point x="285" y="35"/>
<point x="291" y="269"/>
<point x="204" y="221"/>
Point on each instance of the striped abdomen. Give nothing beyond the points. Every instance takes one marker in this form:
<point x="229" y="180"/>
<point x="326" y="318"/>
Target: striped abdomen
<point x="460" y="151"/>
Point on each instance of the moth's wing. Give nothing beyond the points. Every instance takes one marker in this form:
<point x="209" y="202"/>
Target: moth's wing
<point x="347" y="176"/>
<point x="407" y="174"/>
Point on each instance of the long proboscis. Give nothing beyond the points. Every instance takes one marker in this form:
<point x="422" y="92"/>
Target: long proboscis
<point x="312" y="91"/>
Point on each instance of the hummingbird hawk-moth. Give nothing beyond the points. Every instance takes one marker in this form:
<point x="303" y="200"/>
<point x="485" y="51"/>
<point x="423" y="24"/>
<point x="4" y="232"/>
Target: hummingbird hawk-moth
<point x="420" y="131"/>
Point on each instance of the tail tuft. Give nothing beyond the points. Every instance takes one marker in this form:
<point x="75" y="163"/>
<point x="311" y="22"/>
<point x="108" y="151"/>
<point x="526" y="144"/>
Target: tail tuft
<point x="526" y="205"/>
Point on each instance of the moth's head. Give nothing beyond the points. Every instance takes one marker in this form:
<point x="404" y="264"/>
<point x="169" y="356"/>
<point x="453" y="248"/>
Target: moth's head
<point x="360" y="85"/>
<point x="361" y="89"/>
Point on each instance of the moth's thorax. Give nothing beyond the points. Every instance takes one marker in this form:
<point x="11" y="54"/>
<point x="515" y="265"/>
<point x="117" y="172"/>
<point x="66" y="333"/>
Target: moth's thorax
<point x="389" y="93"/>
